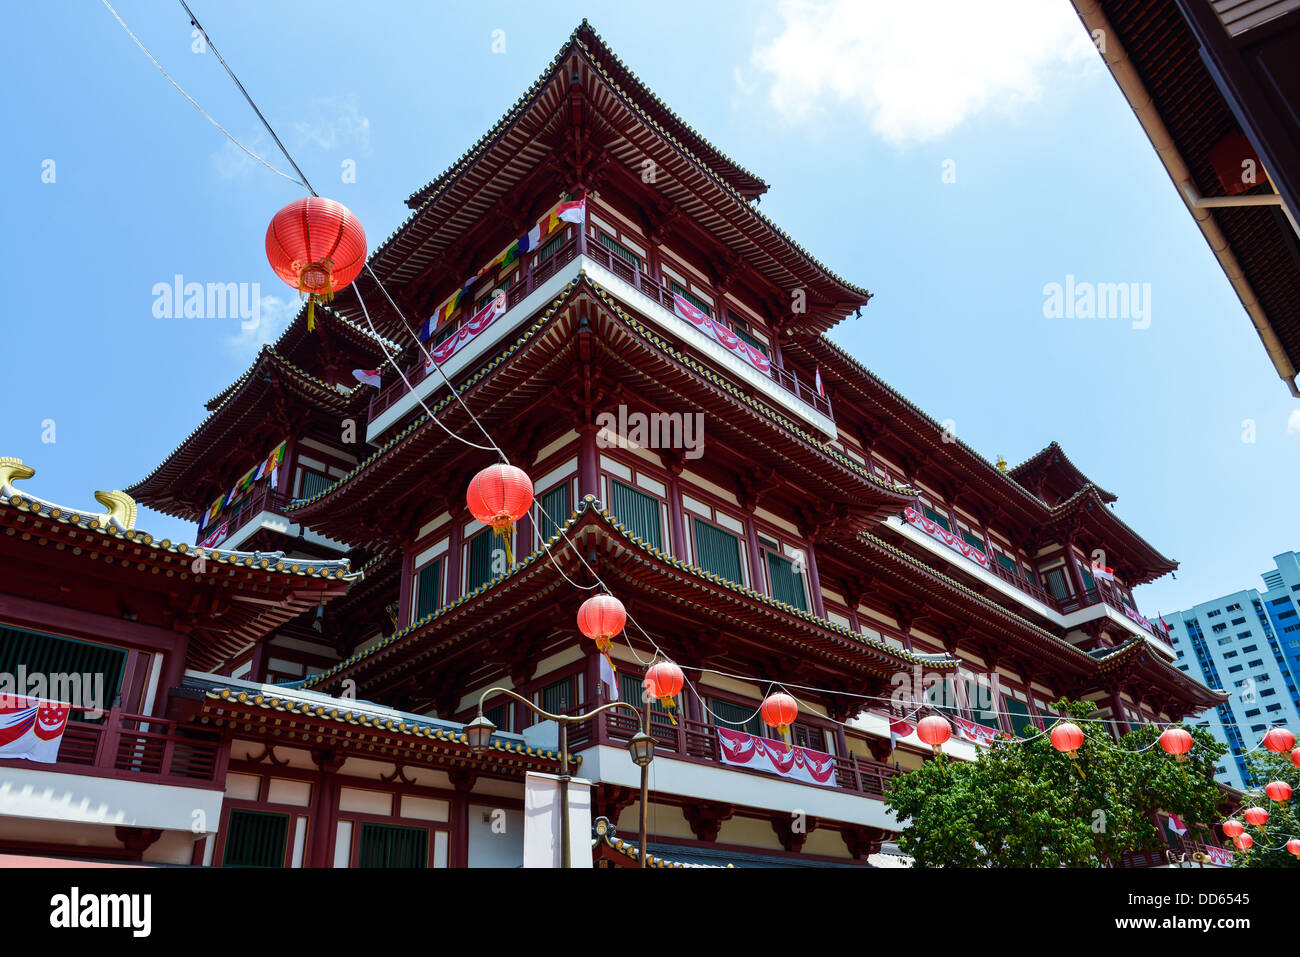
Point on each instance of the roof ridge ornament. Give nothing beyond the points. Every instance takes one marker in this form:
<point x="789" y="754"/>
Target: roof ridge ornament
<point x="121" y="507"/>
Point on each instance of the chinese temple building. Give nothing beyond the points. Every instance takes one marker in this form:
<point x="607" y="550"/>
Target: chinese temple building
<point x="653" y="352"/>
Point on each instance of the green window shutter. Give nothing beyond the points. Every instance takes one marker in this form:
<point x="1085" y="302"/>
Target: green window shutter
<point x="631" y="688"/>
<point x="974" y="542"/>
<point x="942" y="695"/>
<point x="479" y="566"/>
<point x="787" y="581"/>
<point x="690" y="297"/>
<point x="638" y="511"/>
<point x="745" y="337"/>
<point x="984" y="704"/>
<point x="428" y="590"/>
<point x="255" y="839"/>
<point x="388" y="845"/>
<point x="499" y="716"/>
<point x="502" y="286"/>
<point x="558" y="698"/>
<point x="1056" y="584"/>
<point x="555" y="504"/>
<point x="1007" y="563"/>
<point x="736" y="717"/>
<point x="935" y="517"/>
<point x="1088" y="583"/>
<point x="717" y="551"/>
<point x="45" y="654"/>
<point x="1021" y="721"/>
<point x="313" y="483"/>
<point x="619" y="250"/>
<point x="548" y="249"/>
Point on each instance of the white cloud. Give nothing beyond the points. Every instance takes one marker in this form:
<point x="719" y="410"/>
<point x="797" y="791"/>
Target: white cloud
<point x="273" y="317"/>
<point x="1293" y="423"/>
<point x="336" y="121"/>
<point x="916" y="72"/>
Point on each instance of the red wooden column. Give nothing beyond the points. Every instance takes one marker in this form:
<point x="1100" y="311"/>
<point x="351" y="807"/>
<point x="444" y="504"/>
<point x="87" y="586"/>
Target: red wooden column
<point x="757" y="580"/>
<point x="588" y="461"/>
<point x="676" y="520"/>
<point x="405" y="586"/>
<point x="1073" y="561"/>
<point x="458" y="843"/>
<point x="323" y="824"/>
<point x="814" y="581"/>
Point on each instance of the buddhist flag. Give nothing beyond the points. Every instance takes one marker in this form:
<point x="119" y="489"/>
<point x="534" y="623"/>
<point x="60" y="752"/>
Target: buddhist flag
<point x="531" y="239"/>
<point x="367" y="376"/>
<point x="213" y="509"/>
<point x="574" y="211"/>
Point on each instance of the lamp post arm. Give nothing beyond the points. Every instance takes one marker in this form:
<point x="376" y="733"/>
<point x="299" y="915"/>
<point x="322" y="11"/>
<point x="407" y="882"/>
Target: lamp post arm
<point x="563" y="718"/>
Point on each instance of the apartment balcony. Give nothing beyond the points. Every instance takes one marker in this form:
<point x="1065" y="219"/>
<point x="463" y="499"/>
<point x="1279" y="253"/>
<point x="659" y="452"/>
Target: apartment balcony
<point x="457" y="347"/>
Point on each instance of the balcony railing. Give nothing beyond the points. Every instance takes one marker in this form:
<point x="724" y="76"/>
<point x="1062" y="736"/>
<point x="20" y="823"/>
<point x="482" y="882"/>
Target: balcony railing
<point x="1181" y="853"/>
<point x="697" y="741"/>
<point x="532" y="276"/>
<point x="137" y="746"/>
<point x="264" y="498"/>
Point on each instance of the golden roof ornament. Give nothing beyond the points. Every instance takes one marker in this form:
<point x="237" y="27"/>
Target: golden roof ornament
<point x="121" y="507"/>
<point x="1002" y="464"/>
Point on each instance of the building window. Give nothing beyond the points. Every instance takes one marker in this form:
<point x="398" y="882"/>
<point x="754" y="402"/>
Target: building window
<point x="548" y="248"/>
<point x="641" y="513"/>
<point x="736" y="717"/>
<point x="311" y="484"/>
<point x="499" y="716"/>
<point x="555" y="511"/>
<point x="1008" y="563"/>
<point x="717" y="551"/>
<point x="485" y="559"/>
<point x="560" y="696"/>
<point x="1057" y="584"/>
<point x="690" y="297"/>
<point x="786" y="581"/>
<point x="974" y="541"/>
<point x="1021" y="721"/>
<point x="255" y="839"/>
<point x="388" y="845"/>
<point x="806" y="736"/>
<point x="741" y="328"/>
<point x="632" y="689"/>
<point x="428" y="589"/>
<point x="935" y="517"/>
<point x="618" y="249"/>
<point x="45" y="654"/>
<point x="1239" y="621"/>
<point x="501" y="286"/>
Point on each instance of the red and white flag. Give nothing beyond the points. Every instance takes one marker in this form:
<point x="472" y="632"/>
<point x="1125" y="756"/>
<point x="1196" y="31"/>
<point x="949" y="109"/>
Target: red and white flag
<point x="898" y="728"/>
<point x="31" y="728"/>
<point x="1176" y="825"/>
<point x="367" y="376"/>
<point x="574" y="211"/>
<point x="1101" y="571"/>
<point x="821" y="391"/>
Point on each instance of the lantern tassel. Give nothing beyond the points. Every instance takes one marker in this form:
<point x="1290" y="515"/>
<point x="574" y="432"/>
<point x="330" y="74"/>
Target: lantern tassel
<point x="503" y="532"/>
<point x="670" y="706"/>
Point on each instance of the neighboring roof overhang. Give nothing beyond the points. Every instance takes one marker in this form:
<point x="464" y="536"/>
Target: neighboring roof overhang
<point x="272" y="387"/>
<point x="226" y="601"/>
<point x="641" y="575"/>
<point x="1158" y="63"/>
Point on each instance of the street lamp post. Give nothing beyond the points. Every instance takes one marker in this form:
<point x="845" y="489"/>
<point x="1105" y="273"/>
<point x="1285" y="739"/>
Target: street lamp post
<point x="479" y="733"/>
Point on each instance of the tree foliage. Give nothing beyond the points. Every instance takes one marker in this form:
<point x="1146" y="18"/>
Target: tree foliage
<point x="1283" y="821"/>
<point x="1024" y="804"/>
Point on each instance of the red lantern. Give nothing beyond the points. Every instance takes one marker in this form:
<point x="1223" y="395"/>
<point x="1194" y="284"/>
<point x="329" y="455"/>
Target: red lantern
<point x="779" y="711"/>
<point x="317" y="246"/>
<point x="1278" y="791"/>
<point x="1295" y="757"/>
<point x="1233" y="828"/>
<point x="1279" y="740"/>
<point x="600" y="618"/>
<point x="1244" y="842"/>
<point x="499" y="496"/>
<point x="664" y="681"/>
<point x="1293" y="846"/>
<point x="1177" y="741"/>
<point x="1067" y="738"/>
<point x="1256" y="816"/>
<point x="934" y="731"/>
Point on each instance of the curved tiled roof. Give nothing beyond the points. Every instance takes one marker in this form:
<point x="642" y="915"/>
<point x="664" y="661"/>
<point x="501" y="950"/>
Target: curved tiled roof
<point x="1046" y="458"/>
<point x="847" y="639"/>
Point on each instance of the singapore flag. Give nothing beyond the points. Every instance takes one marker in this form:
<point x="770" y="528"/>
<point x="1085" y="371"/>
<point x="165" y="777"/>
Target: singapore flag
<point x="31" y="729"/>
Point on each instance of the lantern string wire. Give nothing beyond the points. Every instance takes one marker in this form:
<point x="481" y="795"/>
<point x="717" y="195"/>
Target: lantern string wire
<point x="493" y="446"/>
<point x="230" y="136"/>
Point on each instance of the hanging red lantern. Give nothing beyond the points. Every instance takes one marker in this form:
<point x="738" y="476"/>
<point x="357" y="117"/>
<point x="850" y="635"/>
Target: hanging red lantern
<point x="1295" y="757"/>
<point x="1244" y="842"/>
<point x="1278" y="791"/>
<point x="779" y="711"/>
<point x="664" y="681"/>
<point x="1279" y="740"/>
<point x="317" y="246"/>
<point x="601" y="618"/>
<point x="499" y="496"/>
<point x="1233" y="828"/>
<point x="1293" y="846"/>
<point x="1256" y="816"/>
<point x="1176" y="741"/>
<point x="1068" y="738"/>
<point x="934" y="731"/>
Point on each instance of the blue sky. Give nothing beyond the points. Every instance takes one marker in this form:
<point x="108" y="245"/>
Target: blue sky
<point x="850" y="113"/>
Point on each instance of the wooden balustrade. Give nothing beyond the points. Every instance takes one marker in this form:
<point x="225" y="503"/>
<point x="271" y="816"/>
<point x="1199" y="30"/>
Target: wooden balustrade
<point x="532" y="276"/>
<point x="133" y="745"/>
<point x="264" y="498"/>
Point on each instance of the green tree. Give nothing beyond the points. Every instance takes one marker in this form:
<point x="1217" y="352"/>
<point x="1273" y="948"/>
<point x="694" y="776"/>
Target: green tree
<point x="1283" y="821"/>
<point x="1024" y="804"/>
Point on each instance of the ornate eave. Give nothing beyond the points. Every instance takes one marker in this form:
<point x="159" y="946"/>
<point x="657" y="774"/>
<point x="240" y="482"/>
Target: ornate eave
<point x="1052" y="464"/>
<point x="272" y="387"/>
<point x="518" y="376"/>
<point x="1136" y="662"/>
<point x="467" y="206"/>
<point x="1086" y="512"/>
<point x="642" y="574"/>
